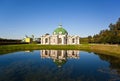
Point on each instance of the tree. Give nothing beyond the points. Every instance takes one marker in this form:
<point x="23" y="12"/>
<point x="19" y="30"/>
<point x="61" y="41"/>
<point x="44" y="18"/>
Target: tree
<point x="111" y="35"/>
<point x="89" y="39"/>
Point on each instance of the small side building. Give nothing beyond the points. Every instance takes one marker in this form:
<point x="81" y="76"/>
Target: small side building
<point x="28" y="40"/>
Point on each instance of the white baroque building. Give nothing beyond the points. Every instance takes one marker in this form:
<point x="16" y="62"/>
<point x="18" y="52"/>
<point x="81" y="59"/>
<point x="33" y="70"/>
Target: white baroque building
<point x="60" y="37"/>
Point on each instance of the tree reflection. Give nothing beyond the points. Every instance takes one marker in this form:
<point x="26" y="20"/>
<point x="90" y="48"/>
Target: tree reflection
<point x="114" y="67"/>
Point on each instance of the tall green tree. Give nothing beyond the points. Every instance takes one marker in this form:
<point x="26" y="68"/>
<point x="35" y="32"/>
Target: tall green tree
<point x="89" y="39"/>
<point x="111" y="35"/>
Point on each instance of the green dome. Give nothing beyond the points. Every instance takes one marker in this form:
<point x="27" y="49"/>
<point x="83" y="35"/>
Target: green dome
<point x="60" y="31"/>
<point x="59" y="63"/>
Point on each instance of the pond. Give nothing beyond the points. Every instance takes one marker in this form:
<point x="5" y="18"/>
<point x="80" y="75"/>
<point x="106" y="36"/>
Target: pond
<point x="58" y="65"/>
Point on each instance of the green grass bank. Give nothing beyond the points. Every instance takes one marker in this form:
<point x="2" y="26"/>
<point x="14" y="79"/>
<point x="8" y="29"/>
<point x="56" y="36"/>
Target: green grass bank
<point x="97" y="48"/>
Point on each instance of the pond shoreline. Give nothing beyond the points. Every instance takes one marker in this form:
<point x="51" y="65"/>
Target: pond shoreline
<point x="113" y="50"/>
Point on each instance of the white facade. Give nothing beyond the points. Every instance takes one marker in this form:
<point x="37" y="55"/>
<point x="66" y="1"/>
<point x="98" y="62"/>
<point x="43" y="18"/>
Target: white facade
<point x="60" y="37"/>
<point x="60" y="57"/>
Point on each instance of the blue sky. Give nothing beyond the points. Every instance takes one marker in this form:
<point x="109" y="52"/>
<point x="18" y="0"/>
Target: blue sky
<point x="79" y="17"/>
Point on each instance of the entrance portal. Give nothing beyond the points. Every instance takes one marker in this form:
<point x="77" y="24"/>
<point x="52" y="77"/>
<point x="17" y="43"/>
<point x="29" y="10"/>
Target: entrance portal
<point x="59" y="41"/>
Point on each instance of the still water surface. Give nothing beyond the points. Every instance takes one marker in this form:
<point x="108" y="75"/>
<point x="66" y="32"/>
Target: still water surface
<point x="58" y="65"/>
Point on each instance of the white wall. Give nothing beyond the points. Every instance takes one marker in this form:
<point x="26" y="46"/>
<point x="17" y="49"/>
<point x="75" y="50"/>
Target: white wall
<point x="53" y="39"/>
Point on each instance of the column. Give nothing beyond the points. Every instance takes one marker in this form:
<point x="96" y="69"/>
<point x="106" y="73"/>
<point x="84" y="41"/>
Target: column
<point x="63" y="40"/>
<point x="78" y="40"/>
<point x="41" y="40"/>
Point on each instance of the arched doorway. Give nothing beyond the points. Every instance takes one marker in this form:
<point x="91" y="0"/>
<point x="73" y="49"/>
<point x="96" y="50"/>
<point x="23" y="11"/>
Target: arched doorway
<point x="59" y="41"/>
<point x="46" y="52"/>
<point x="46" y="40"/>
<point x="73" y="40"/>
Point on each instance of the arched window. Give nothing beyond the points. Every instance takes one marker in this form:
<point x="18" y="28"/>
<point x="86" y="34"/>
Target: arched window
<point x="53" y="40"/>
<point x="73" y="40"/>
<point x="46" y="40"/>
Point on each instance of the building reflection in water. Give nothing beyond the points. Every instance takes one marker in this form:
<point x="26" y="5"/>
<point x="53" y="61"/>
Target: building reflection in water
<point x="60" y="56"/>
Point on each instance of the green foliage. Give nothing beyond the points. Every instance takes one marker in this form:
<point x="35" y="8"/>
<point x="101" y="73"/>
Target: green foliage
<point x="109" y="36"/>
<point x="84" y="40"/>
<point x="90" y="39"/>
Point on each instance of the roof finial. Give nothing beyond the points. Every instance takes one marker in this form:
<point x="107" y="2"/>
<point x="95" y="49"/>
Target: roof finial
<point x="60" y="25"/>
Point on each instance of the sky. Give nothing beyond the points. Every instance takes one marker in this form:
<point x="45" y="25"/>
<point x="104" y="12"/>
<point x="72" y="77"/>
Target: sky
<point x="38" y="17"/>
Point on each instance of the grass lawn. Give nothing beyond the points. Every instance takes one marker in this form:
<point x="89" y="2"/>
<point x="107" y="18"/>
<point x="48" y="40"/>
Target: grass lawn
<point x="97" y="48"/>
